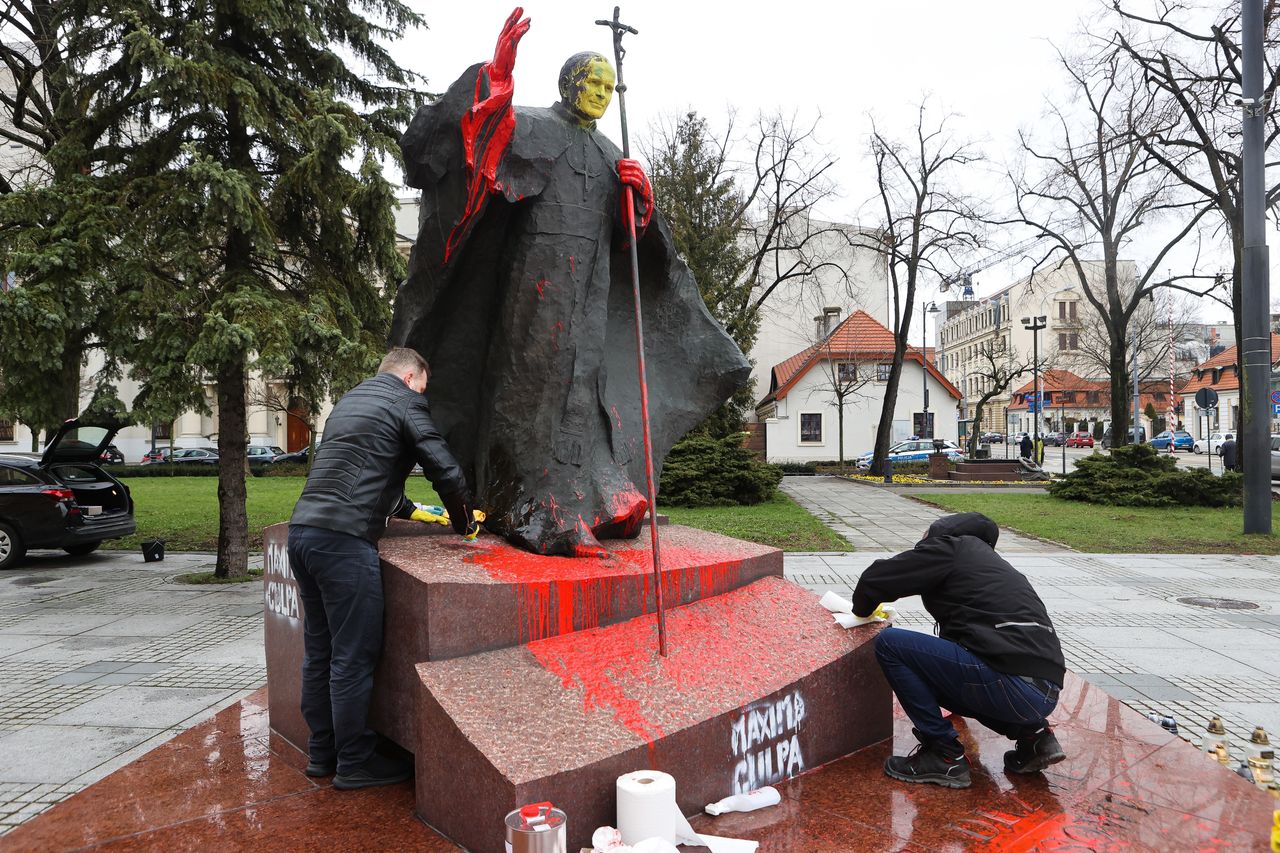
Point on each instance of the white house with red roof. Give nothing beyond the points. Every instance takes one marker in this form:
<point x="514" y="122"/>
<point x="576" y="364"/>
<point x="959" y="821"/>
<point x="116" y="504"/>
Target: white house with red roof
<point x="1222" y="374"/>
<point x="801" y="412"/>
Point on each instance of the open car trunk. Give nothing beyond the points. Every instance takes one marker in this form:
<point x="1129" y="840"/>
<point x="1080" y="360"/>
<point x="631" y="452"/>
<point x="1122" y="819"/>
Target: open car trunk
<point x="96" y="492"/>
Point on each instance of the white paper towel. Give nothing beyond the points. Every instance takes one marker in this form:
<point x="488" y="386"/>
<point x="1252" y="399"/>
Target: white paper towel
<point x="647" y="809"/>
<point x="835" y="603"/>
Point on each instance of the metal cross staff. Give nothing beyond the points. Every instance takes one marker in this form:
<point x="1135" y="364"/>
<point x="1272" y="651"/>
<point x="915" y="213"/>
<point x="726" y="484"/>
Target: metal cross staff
<point x="628" y="203"/>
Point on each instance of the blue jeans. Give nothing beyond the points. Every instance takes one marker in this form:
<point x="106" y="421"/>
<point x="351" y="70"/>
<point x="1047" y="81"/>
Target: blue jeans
<point x="926" y="672"/>
<point x="340" y="583"/>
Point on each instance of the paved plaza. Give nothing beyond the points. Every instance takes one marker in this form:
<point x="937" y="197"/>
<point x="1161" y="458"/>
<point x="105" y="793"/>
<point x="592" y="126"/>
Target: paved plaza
<point x="103" y="658"/>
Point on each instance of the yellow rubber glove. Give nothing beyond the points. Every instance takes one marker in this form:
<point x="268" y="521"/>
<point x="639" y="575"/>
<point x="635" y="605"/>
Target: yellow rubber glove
<point x="881" y="613"/>
<point x="429" y="514"/>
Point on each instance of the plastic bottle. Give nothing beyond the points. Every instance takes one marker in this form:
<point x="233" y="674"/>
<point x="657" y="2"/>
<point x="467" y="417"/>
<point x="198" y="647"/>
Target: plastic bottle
<point x="748" y="802"/>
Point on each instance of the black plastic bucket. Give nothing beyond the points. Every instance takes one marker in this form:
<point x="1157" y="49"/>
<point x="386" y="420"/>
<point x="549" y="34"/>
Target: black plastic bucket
<point x="152" y="550"/>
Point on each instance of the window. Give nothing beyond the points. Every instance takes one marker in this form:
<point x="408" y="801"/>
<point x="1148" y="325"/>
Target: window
<point x="810" y="427"/>
<point x="162" y="431"/>
<point x="847" y="372"/>
<point x="6" y="431"/>
<point x="1068" y="341"/>
<point x="14" y="477"/>
<point x="882" y="371"/>
<point x="1072" y="312"/>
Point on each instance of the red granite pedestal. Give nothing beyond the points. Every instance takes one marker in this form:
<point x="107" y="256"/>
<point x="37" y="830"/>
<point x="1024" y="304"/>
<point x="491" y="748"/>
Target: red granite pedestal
<point x="446" y="598"/>
<point x="518" y="678"/>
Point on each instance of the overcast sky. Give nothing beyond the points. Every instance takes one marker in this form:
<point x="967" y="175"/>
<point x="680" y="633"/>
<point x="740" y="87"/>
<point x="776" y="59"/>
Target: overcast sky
<point x="991" y="63"/>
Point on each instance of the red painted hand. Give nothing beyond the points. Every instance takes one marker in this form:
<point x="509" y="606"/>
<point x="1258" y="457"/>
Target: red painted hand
<point x="504" y="54"/>
<point x="631" y="173"/>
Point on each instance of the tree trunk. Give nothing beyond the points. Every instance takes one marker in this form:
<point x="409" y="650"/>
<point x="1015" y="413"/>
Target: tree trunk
<point x="840" y="421"/>
<point x="233" y="517"/>
<point x="1120" y="394"/>
<point x="884" y="430"/>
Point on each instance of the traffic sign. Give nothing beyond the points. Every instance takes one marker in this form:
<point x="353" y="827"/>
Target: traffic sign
<point x="1207" y="398"/>
<point x="1275" y="408"/>
<point x="1275" y="397"/>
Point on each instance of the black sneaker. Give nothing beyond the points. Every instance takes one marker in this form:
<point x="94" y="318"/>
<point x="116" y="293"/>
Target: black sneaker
<point x="316" y="769"/>
<point x="927" y="763"/>
<point x="1033" y="754"/>
<point x="378" y="770"/>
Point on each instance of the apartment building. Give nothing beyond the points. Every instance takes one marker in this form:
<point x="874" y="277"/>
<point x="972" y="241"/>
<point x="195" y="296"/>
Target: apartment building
<point x="973" y="331"/>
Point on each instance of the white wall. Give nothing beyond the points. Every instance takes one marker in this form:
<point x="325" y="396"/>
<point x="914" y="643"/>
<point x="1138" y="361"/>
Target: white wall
<point x="786" y="317"/>
<point x="861" y="416"/>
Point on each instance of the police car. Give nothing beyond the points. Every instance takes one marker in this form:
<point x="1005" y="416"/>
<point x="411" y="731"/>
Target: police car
<point x="914" y="450"/>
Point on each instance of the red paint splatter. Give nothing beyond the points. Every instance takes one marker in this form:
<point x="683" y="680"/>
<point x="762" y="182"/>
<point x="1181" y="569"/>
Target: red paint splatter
<point x="618" y="670"/>
<point x="541" y="285"/>
<point x="555" y="334"/>
<point x="489" y="124"/>
<point x="558" y="595"/>
<point x="572" y="265"/>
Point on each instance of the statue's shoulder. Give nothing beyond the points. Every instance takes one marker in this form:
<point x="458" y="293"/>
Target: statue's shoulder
<point x="540" y="133"/>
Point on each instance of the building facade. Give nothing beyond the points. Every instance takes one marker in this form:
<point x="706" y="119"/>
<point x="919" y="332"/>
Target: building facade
<point x="1222" y="374"/>
<point x="849" y="369"/>
<point x="972" y="328"/>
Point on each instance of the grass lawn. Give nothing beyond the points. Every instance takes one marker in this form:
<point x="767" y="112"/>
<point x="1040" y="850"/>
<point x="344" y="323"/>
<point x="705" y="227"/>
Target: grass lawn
<point x="780" y="522"/>
<point x="1115" y="529"/>
<point x="183" y="511"/>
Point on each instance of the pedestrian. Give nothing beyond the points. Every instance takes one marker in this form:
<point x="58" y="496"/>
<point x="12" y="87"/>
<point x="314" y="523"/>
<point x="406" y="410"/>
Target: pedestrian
<point x="372" y="439"/>
<point x="1024" y="446"/>
<point x="996" y="657"/>
<point x="1230" y="453"/>
<point x="1039" y="450"/>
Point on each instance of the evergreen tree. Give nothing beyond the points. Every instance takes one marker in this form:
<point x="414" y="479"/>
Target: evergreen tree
<point x="256" y="230"/>
<point x="698" y="197"/>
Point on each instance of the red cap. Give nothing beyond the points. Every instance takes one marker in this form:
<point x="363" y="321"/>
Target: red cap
<point x="529" y="811"/>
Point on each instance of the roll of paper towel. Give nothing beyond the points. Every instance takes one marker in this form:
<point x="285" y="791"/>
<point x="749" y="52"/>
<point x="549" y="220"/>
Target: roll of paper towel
<point x="647" y="806"/>
<point x="647" y="809"/>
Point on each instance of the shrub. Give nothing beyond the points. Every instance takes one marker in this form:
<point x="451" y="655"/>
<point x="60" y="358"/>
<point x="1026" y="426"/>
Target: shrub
<point x="1098" y="430"/>
<point x="705" y="471"/>
<point x="798" y="467"/>
<point x="1138" y="475"/>
<point x="162" y="469"/>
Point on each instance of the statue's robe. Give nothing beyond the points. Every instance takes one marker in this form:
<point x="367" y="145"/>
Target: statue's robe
<point x="519" y="295"/>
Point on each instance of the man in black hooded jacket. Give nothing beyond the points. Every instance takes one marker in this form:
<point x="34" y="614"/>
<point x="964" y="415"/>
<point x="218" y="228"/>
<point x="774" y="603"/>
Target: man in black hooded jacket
<point x="996" y="658"/>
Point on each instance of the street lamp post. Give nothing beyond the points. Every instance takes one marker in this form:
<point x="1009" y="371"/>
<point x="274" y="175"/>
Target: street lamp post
<point x="925" y="310"/>
<point x="1034" y="325"/>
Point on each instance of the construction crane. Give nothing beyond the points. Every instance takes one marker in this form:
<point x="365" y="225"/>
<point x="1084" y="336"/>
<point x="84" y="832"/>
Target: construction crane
<point x="963" y="279"/>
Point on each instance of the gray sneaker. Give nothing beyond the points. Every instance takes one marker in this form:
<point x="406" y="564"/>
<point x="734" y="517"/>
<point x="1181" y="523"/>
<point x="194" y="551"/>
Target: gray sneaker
<point x="1033" y="754"/>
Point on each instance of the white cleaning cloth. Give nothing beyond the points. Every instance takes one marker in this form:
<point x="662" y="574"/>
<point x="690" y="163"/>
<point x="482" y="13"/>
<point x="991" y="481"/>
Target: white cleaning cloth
<point x="835" y="603"/>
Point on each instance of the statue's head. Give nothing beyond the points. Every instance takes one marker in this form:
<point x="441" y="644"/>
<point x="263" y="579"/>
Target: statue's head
<point x="586" y="85"/>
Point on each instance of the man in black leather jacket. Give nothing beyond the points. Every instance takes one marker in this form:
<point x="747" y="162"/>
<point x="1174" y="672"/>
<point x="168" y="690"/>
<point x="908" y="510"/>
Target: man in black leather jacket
<point x="996" y="658"/>
<point x="372" y="439"/>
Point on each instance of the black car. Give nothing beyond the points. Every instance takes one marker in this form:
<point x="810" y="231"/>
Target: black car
<point x="62" y="499"/>
<point x="298" y="457"/>
<point x="111" y="456"/>
<point x="195" y="456"/>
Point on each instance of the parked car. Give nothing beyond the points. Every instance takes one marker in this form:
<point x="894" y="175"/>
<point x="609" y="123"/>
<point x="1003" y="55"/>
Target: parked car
<point x="1212" y="444"/>
<point x="298" y="457"/>
<point x="111" y="456"/>
<point x="261" y="454"/>
<point x="1106" y="436"/>
<point x="62" y="499"/>
<point x="1275" y="457"/>
<point x="160" y="454"/>
<point x="1054" y="439"/>
<point x="1179" y="439"/>
<point x="913" y="450"/>
<point x="1080" y="439"/>
<point x="195" y="455"/>
<point x="992" y="438"/>
<point x="1017" y="437"/>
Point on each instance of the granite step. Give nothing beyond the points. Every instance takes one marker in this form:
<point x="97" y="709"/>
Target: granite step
<point x="758" y="685"/>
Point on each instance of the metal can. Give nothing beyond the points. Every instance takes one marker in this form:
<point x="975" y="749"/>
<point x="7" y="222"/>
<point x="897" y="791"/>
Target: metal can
<point x="537" y="828"/>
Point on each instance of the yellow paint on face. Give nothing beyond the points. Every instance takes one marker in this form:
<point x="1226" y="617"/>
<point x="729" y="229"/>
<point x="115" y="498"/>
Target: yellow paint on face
<point x="595" y="92"/>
